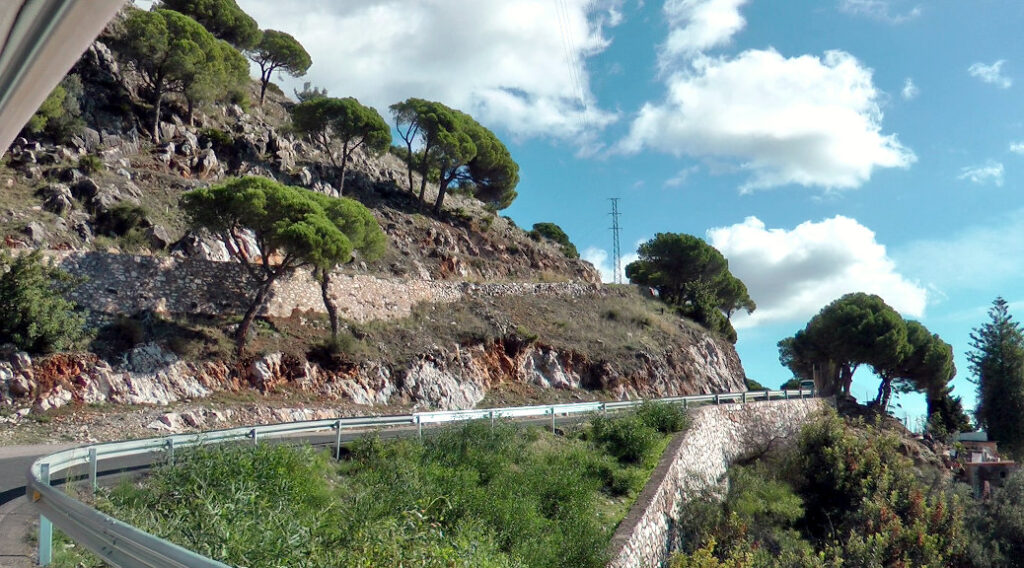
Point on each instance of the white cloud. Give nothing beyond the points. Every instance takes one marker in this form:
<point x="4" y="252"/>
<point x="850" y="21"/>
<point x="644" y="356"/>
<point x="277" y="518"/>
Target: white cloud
<point x="698" y="25"/>
<point x="910" y="90"/>
<point x="680" y="178"/>
<point x="805" y="120"/>
<point x="603" y="261"/>
<point x="792" y="274"/>
<point x="885" y="10"/>
<point x="989" y="172"/>
<point x="515" y="64"/>
<point x="1017" y="147"/>
<point x="985" y="257"/>
<point x="992" y="74"/>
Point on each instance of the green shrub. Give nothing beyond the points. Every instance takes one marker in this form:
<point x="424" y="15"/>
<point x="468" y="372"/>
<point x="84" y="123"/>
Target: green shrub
<point x="627" y="438"/>
<point x="90" y="164"/>
<point x="240" y="98"/>
<point x="33" y="312"/>
<point x="527" y="335"/>
<point x="246" y="506"/>
<point x="995" y="528"/>
<point x="216" y="137"/>
<point x="753" y="385"/>
<point x="120" y="219"/>
<point x="273" y="88"/>
<point x="664" y="417"/>
<point x="555" y="233"/>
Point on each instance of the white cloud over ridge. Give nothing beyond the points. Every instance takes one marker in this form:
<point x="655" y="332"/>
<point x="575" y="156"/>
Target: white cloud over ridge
<point x="698" y="25"/>
<point x="515" y="64"/>
<point x="789" y="120"/>
<point x="992" y="74"/>
<point x="792" y="274"/>
<point x="983" y="174"/>
<point x="604" y="263"/>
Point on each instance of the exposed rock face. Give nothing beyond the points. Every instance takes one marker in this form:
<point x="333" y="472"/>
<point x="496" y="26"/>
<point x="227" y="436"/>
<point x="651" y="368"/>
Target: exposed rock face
<point x="444" y="378"/>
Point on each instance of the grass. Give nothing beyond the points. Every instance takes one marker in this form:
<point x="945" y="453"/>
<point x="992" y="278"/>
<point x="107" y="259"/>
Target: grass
<point x="612" y="326"/>
<point x="578" y="325"/>
<point x="472" y="495"/>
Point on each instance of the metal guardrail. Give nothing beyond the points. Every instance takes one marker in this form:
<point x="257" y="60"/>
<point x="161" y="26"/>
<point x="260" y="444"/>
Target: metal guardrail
<point x="125" y="546"/>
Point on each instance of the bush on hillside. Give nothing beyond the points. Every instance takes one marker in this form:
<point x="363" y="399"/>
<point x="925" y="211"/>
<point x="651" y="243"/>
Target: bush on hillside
<point x="90" y="164"/>
<point x="753" y="385"/>
<point x="34" y="315"/>
<point x="555" y="233"/>
<point x="663" y="417"/>
<point x="120" y="219"/>
<point x="627" y="438"/>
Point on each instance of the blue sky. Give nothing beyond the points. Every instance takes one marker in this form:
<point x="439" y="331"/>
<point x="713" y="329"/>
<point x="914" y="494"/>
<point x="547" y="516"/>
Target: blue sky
<point x="824" y="146"/>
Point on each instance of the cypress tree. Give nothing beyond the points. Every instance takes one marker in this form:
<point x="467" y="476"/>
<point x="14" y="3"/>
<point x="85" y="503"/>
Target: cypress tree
<point x="997" y="362"/>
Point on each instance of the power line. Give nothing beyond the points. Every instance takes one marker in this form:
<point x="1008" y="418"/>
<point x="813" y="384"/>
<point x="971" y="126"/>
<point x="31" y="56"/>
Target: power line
<point x="616" y="229"/>
<point x="573" y="62"/>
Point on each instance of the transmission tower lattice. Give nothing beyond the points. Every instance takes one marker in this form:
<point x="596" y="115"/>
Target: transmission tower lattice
<point x="616" y="229"/>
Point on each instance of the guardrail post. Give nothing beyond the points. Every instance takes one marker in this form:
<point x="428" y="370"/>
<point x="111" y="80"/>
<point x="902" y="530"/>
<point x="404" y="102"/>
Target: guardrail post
<point x="717" y="401"/>
<point x="744" y="400"/>
<point x="255" y="437"/>
<point x="492" y="420"/>
<point x="786" y="392"/>
<point x="552" y="420"/>
<point x="337" y="441"/>
<point x="45" y="527"/>
<point x="684" y="404"/>
<point x="604" y="409"/>
<point x="92" y="469"/>
<point x="170" y="451"/>
<point x="419" y="428"/>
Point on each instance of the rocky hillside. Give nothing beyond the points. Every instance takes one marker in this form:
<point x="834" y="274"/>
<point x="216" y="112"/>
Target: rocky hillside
<point x="464" y="309"/>
<point x="110" y="189"/>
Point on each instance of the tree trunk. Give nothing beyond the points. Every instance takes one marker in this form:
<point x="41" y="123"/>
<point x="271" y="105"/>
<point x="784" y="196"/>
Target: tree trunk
<point x="190" y="122"/>
<point x="408" y="163"/>
<point x="424" y="168"/>
<point x="441" y="190"/>
<point x="156" y="118"/>
<point x="423" y="183"/>
<point x="344" y="162"/>
<point x="884" y="393"/>
<point x="845" y="378"/>
<point x="241" y="335"/>
<point x="332" y="310"/>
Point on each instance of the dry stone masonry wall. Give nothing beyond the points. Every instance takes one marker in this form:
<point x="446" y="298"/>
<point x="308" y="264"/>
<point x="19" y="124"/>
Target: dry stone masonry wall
<point x="126" y="284"/>
<point x="699" y="458"/>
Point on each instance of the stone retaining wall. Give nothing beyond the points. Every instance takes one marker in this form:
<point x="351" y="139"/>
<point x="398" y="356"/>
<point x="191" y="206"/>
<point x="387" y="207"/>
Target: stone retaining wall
<point x="126" y="284"/>
<point x="697" y="459"/>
